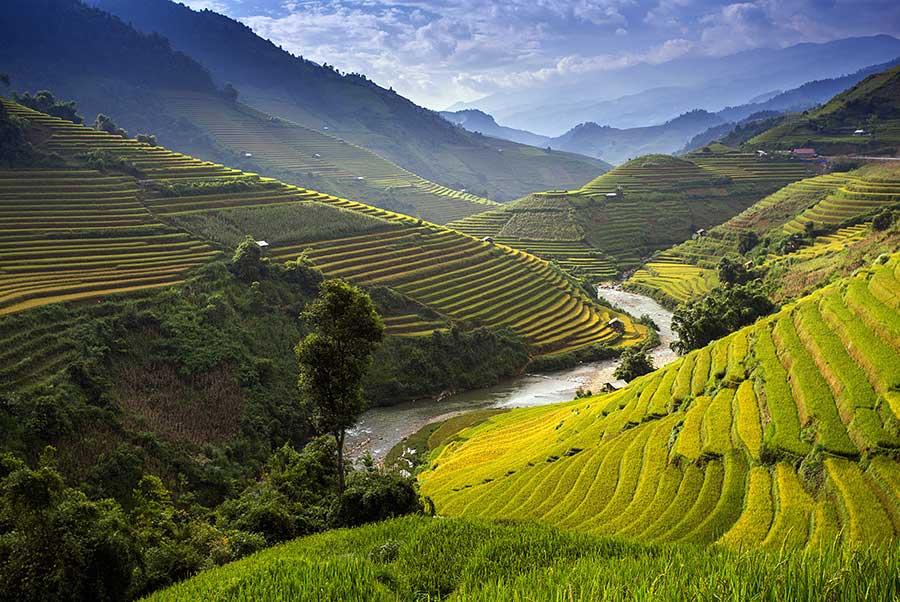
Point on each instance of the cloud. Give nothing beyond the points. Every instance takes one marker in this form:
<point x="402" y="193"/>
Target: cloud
<point x="440" y="51"/>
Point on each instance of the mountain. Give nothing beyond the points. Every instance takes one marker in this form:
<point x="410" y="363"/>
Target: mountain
<point x="808" y="95"/>
<point x="685" y="133"/>
<point x="479" y="121"/>
<point x="646" y="94"/>
<point x="617" y="145"/>
<point x="606" y="227"/>
<point x="352" y="107"/>
<point x="862" y="120"/>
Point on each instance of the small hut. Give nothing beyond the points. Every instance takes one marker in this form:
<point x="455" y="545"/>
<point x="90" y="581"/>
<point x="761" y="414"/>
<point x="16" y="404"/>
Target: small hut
<point x="617" y="325"/>
<point x="613" y="386"/>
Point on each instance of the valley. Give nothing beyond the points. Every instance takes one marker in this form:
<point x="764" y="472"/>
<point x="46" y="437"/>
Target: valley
<point x="273" y="329"/>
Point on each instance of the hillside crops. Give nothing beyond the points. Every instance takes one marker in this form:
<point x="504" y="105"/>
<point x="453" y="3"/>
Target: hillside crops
<point x="613" y="222"/>
<point x="708" y="448"/>
<point x="839" y="206"/>
<point x="292" y="148"/>
<point x="463" y="279"/>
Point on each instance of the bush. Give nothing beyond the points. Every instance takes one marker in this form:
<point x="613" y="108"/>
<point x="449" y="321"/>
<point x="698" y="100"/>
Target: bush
<point x="723" y="310"/>
<point x="247" y="263"/>
<point x="146" y="139"/>
<point x="374" y="495"/>
<point x="635" y="362"/>
<point x="106" y="124"/>
<point x="55" y="544"/>
<point x="883" y="220"/>
<point x="45" y="102"/>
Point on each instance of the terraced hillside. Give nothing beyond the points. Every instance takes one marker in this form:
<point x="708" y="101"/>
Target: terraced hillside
<point x="294" y="151"/>
<point x="838" y="208"/>
<point x="779" y="435"/>
<point x="647" y="204"/>
<point x="462" y="279"/>
<point x="863" y="120"/>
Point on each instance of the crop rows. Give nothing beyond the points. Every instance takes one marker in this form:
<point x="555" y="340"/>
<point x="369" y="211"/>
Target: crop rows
<point x="290" y="147"/>
<point x="673" y="278"/>
<point x="678" y="455"/>
<point x="466" y="280"/>
<point x="411" y="325"/>
<point x="76" y="234"/>
<point x="857" y="196"/>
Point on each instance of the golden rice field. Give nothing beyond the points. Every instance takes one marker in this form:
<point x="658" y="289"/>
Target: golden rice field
<point x="670" y="276"/>
<point x="856" y="195"/>
<point x="709" y="448"/>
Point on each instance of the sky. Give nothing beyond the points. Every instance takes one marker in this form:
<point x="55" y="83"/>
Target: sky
<point x="441" y="51"/>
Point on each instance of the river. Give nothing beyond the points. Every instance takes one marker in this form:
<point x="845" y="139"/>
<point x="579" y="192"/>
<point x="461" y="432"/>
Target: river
<point x="379" y="429"/>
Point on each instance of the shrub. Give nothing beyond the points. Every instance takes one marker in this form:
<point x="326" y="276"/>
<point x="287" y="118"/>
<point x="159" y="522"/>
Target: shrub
<point x="105" y="123"/>
<point x="45" y="102"/>
<point x="635" y="362"/>
<point x="375" y="495"/>
<point x="883" y="220"/>
<point x="247" y="263"/>
<point x="722" y="311"/>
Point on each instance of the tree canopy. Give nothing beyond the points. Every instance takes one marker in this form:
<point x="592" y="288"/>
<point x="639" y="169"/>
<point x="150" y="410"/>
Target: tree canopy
<point x="335" y="357"/>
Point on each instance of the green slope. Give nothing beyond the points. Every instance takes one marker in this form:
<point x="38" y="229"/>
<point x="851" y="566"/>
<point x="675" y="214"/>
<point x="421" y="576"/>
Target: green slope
<point x="316" y="159"/>
<point x="353" y="107"/>
<point x="873" y="105"/>
<point x="650" y="203"/>
<point x="455" y="559"/>
<point x="781" y="434"/>
<point x="839" y="207"/>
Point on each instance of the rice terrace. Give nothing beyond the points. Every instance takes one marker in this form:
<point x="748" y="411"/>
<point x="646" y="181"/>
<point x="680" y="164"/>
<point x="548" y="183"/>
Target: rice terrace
<point x="347" y="300"/>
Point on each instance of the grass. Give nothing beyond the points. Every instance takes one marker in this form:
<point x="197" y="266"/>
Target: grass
<point x="638" y="449"/>
<point x="430" y="559"/>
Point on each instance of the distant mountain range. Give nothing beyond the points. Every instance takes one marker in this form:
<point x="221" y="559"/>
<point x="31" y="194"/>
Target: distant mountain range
<point x="479" y="121"/>
<point x="686" y="132"/>
<point x="647" y="94"/>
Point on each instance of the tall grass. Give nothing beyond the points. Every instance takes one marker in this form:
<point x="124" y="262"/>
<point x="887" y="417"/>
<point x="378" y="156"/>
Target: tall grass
<point x="430" y="559"/>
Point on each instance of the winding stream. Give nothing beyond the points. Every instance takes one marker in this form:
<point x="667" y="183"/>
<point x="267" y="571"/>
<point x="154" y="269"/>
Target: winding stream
<point x="379" y="429"/>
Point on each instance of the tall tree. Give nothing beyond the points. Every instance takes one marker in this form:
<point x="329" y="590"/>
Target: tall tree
<point x="334" y="359"/>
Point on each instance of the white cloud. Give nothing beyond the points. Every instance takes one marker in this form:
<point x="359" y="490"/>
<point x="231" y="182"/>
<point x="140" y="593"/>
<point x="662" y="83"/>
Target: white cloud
<point x="440" y="51"/>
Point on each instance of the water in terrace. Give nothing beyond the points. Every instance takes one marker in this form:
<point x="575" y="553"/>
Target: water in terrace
<point x="379" y="429"/>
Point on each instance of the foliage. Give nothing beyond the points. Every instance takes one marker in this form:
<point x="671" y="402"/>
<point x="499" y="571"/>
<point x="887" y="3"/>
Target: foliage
<point x="721" y="311"/>
<point x="731" y="272"/>
<point x="445" y="361"/>
<point x="247" y="263"/>
<point x="375" y="495"/>
<point x="747" y="240"/>
<point x="55" y="543"/>
<point x="883" y="219"/>
<point x="634" y="362"/>
<point x="106" y="161"/>
<point x="15" y="150"/>
<point x="230" y="93"/>
<point x="335" y="357"/>
<point x="294" y="496"/>
<point x="149" y="139"/>
<point x="45" y="102"/>
<point x="104" y="123"/>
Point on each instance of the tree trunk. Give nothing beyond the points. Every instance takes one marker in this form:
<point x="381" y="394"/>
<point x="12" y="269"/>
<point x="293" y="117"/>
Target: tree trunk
<point x="339" y="439"/>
